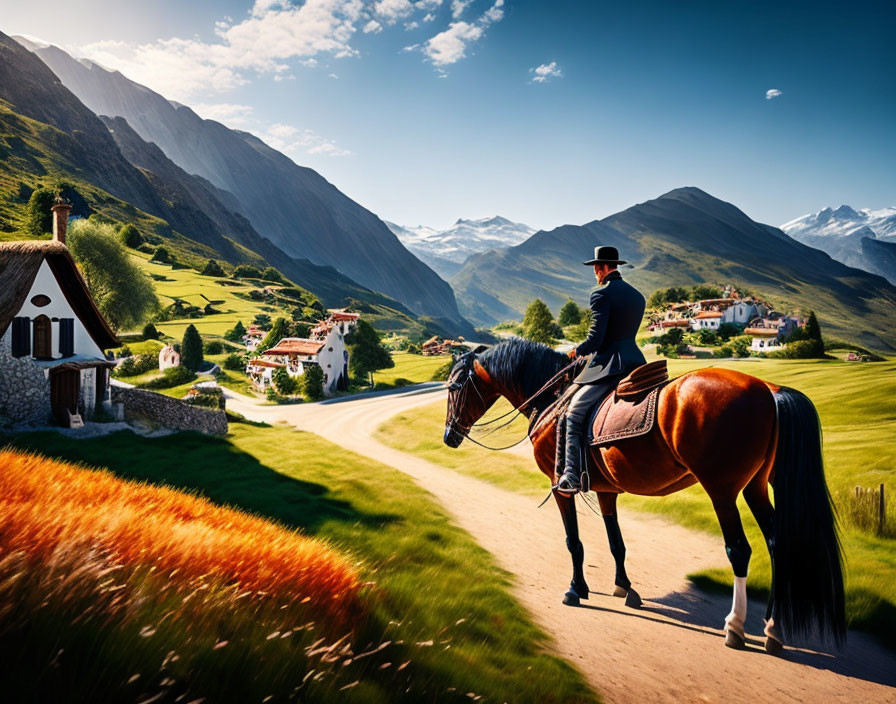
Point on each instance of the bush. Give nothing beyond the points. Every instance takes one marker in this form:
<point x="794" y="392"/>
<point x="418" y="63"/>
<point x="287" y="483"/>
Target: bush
<point x="191" y="348"/>
<point x="725" y="350"/>
<point x="161" y="255"/>
<point x="313" y="382"/>
<point x="234" y="362"/>
<point x="538" y="324"/>
<point x="138" y="364"/>
<point x="213" y="347"/>
<point x="285" y="384"/>
<point x="728" y="330"/>
<point x="570" y="314"/>
<point x="173" y="376"/>
<point x="244" y="271"/>
<point x="801" y="349"/>
<point x="235" y="334"/>
<point x="130" y="236"/>
<point x="212" y="268"/>
<point x="150" y="332"/>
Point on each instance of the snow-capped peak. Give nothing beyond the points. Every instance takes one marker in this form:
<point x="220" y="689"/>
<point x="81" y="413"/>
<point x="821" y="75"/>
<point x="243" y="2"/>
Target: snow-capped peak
<point x="463" y="238"/>
<point x="842" y="222"/>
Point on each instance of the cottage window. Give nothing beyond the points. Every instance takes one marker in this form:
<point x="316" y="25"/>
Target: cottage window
<point x="67" y="337"/>
<point x="40" y="300"/>
<point x="21" y="337"/>
<point x="42" y="338"/>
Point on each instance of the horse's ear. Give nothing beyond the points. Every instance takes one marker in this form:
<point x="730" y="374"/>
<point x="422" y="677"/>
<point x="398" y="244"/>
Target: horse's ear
<point x="481" y="371"/>
<point x="480" y="349"/>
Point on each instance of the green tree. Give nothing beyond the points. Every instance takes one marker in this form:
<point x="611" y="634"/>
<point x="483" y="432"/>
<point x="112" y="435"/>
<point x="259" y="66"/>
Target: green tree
<point x="234" y="361"/>
<point x="278" y="331"/>
<point x="813" y="329"/>
<point x="235" y="334"/>
<point x="702" y="292"/>
<point x="271" y="274"/>
<point x="191" y="349"/>
<point x="38" y="217"/>
<point x="130" y="236"/>
<point x="657" y="300"/>
<point x="728" y="330"/>
<point x="244" y="271"/>
<point x="570" y="313"/>
<point x="286" y="385"/>
<point x="122" y="292"/>
<point x="150" y="332"/>
<point x="313" y="382"/>
<point x="367" y="353"/>
<point x="161" y="255"/>
<point x="212" y="268"/>
<point x="538" y="323"/>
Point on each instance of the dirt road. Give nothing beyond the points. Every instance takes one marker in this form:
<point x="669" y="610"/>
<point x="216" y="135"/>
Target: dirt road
<point x="672" y="648"/>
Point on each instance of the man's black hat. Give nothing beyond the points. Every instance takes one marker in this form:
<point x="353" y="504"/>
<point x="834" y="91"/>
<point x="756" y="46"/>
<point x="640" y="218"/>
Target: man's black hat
<point x="605" y="255"/>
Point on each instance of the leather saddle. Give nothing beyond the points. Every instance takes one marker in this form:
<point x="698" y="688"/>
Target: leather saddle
<point x="631" y="410"/>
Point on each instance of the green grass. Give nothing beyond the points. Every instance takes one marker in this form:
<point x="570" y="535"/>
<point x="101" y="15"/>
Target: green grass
<point x="431" y="581"/>
<point x="414" y="367"/>
<point x="857" y="405"/>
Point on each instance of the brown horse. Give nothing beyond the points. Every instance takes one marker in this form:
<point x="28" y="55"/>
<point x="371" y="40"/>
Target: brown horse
<point x="728" y="431"/>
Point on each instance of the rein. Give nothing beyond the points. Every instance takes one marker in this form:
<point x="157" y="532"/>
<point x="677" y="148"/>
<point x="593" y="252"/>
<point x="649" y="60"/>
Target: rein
<point x="514" y="412"/>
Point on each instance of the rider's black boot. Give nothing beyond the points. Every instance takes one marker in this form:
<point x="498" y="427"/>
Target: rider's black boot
<point x="570" y="481"/>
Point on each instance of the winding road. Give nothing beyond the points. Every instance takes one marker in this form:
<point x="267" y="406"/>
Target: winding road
<point x="669" y="650"/>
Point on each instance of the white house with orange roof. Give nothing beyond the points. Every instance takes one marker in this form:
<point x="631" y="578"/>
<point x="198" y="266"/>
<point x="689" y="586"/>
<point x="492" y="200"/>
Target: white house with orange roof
<point x="261" y="372"/>
<point x="253" y="337"/>
<point x="706" y="320"/>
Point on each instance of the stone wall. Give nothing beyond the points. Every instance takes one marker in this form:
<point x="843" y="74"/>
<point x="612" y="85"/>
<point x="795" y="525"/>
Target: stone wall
<point x="24" y="390"/>
<point x="168" y="412"/>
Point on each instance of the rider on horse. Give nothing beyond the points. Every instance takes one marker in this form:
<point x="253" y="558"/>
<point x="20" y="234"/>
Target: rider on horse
<point x="617" y="309"/>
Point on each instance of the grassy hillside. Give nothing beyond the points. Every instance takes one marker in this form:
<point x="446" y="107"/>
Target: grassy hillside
<point x="857" y="405"/>
<point x="438" y="599"/>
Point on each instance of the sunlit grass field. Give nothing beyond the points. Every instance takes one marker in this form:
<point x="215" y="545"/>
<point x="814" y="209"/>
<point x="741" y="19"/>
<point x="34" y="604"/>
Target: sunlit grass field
<point x="857" y="405"/>
<point x="415" y="368"/>
<point x="454" y="630"/>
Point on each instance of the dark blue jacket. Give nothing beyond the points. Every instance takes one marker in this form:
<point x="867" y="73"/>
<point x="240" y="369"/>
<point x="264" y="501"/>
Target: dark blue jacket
<point x="617" y="309"/>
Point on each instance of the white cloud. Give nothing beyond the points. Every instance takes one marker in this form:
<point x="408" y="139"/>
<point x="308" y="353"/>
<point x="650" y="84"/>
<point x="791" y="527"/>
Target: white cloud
<point x="294" y="141"/>
<point x="428" y="17"/>
<point x="408" y="26"/>
<point x="450" y="46"/>
<point x="545" y="72"/>
<point x="393" y="10"/>
<point x="230" y="114"/>
<point x="274" y="32"/>
<point x="458" y="7"/>
<point x="772" y="93"/>
<point x="373" y="27"/>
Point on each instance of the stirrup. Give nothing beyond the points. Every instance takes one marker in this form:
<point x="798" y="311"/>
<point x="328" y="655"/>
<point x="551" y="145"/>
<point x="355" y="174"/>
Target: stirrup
<point x="567" y="491"/>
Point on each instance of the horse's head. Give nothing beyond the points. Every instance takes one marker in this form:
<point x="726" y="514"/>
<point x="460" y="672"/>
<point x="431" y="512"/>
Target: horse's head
<point x="471" y="393"/>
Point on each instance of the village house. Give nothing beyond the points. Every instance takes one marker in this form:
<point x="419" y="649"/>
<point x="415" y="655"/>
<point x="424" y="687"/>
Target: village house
<point x="52" y="336"/>
<point x="745" y="311"/>
<point x="168" y="358"/>
<point x="706" y="320"/>
<point x="253" y="337"/>
<point x="436" y="346"/>
<point x="325" y="348"/>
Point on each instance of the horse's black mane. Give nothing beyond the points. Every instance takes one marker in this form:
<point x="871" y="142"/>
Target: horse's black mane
<point x="521" y="365"/>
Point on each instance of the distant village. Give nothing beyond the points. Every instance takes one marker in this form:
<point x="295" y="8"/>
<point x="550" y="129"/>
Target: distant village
<point x="750" y="316"/>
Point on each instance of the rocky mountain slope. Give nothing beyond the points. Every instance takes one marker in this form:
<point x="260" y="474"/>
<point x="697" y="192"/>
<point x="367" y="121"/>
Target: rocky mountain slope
<point x="683" y="237"/>
<point x="446" y="250"/>
<point x="842" y="234"/>
<point x="293" y="206"/>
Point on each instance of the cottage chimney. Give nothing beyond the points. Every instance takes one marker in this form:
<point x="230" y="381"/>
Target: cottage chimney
<point x="60" y="219"/>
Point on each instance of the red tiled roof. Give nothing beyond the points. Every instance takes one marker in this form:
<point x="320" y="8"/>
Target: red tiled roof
<point x="342" y="315"/>
<point x="295" y="345"/>
<point x="768" y="332"/>
<point x="709" y="314"/>
<point x="265" y="363"/>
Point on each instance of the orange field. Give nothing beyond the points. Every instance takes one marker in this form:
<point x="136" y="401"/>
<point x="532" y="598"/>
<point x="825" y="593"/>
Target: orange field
<point x="50" y="510"/>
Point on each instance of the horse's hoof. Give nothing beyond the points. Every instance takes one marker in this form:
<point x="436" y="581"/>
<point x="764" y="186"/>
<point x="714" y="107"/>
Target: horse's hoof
<point x="633" y="599"/>
<point x="620" y="592"/>
<point x="571" y="598"/>
<point x="773" y="646"/>
<point x="733" y="640"/>
<point x="581" y="590"/>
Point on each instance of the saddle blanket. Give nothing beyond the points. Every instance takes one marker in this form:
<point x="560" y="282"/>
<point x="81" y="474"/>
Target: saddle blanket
<point x="624" y="417"/>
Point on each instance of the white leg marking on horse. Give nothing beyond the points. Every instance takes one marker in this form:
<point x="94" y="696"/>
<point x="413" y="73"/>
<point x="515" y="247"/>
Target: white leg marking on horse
<point x="734" y="621"/>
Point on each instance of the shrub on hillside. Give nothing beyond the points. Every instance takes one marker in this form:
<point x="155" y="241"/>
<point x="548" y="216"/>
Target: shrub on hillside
<point x="212" y="268"/>
<point x="138" y="364"/>
<point x="173" y="376"/>
<point x="150" y="332"/>
<point x="801" y="349"/>
<point x="313" y="382"/>
<point x="244" y="271"/>
<point x="213" y="347"/>
<point x="286" y="385"/>
<point x="161" y="255"/>
<point x="235" y="334"/>
<point x="570" y="314"/>
<point x="130" y="236"/>
<point x="234" y="362"/>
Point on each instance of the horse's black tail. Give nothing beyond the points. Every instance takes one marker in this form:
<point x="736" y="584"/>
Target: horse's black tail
<point x="808" y="592"/>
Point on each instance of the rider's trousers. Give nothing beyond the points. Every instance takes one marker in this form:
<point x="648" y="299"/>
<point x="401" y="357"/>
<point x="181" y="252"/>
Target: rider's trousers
<point x="580" y="407"/>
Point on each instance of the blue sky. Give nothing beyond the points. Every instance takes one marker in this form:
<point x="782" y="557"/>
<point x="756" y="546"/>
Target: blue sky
<point x="429" y="110"/>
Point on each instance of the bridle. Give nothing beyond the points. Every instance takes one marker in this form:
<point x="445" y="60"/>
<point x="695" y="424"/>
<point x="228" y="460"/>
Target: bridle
<point x="460" y="389"/>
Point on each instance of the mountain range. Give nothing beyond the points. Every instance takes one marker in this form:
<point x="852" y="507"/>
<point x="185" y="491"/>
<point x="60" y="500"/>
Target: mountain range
<point x="862" y="238"/>
<point x="294" y="207"/>
<point x="683" y="237"/>
<point x="446" y="250"/>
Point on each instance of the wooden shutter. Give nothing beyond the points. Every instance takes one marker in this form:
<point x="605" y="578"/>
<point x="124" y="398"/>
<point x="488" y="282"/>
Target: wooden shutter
<point x="42" y="338"/>
<point x="21" y="337"/>
<point x="66" y="336"/>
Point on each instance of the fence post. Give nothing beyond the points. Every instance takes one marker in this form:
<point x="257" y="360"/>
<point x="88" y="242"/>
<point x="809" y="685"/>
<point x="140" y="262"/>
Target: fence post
<point x="883" y="514"/>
